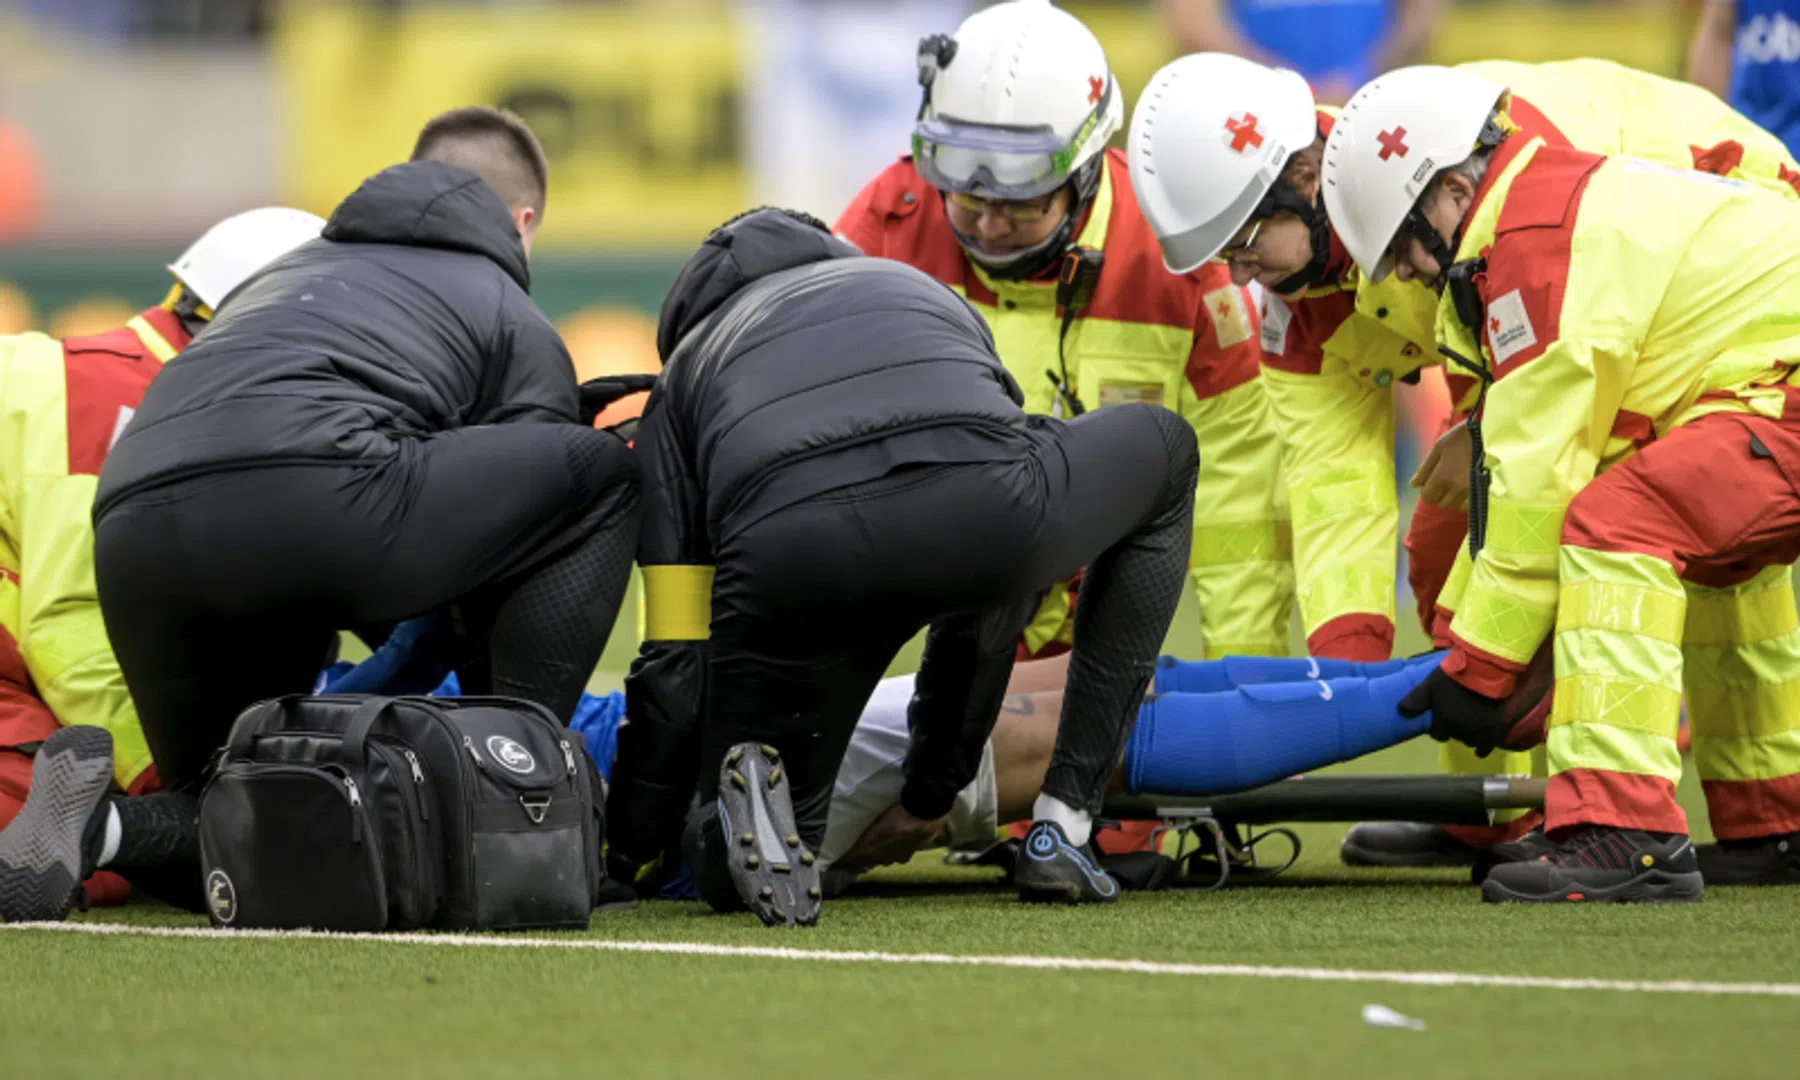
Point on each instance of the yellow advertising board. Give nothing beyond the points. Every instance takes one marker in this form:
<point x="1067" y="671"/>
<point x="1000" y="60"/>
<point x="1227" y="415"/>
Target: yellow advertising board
<point x="637" y="107"/>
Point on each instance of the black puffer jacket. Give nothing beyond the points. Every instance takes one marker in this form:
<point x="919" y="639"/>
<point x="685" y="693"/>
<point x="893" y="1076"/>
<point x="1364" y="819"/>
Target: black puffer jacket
<point x="409" y="317"/>
<point x="793" y="364"/>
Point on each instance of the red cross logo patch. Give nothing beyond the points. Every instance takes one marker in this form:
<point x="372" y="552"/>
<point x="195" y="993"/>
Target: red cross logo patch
<point x="1243" y="133"/>
<point x="1392" y="143"/>
<point x="1493" y="326"/>
<point x="1096" y="87"/>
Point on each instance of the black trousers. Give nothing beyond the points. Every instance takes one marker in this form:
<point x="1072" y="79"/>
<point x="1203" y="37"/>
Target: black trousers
<point x="222" y="590"/>
<point x="811" y="602"/>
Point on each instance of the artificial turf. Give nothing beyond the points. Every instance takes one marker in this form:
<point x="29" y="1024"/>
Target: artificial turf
<point x="74" y="1005"/>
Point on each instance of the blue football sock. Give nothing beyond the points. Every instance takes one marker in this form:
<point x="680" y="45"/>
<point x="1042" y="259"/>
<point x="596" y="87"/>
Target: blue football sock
<point x="1210" y="744"/>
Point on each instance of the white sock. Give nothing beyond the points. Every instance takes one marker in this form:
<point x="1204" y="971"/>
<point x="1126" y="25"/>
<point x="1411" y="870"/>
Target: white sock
<point x="109" y="847"/>
<point x="1077" y="825"/>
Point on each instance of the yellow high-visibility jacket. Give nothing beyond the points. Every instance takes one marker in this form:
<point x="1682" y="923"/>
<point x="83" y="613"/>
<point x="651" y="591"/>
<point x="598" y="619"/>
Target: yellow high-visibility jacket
<point x="1187" y="342"/>
<point x="1623" y="299"/>
<point x="62" y="404"/>
<point x="1329" y="363"/>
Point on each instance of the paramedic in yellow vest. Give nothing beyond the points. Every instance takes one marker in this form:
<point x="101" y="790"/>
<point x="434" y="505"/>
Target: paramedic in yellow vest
<point x="62" y="405"/>
<point x="1635" y="330"/>
<point x="1011" y="198"/>
<point x="1334" y="343"/>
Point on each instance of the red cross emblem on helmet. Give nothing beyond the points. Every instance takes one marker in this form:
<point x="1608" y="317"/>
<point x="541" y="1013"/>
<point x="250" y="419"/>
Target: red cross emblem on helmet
<point x="1243" y="132"/>
<point x="1393" y="143"/>
<point x="1096" y="87"/>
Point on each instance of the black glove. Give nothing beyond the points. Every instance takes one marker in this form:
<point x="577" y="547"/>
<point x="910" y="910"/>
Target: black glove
<point x="1459" y="713"/>
<point x="597" y="394"/>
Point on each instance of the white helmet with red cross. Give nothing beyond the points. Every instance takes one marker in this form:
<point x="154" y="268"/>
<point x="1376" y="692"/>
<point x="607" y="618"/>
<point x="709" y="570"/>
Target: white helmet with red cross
<point x="1210" y="137"/>
<point x="1394" y="135"/>
<point x="1015" y="103"/>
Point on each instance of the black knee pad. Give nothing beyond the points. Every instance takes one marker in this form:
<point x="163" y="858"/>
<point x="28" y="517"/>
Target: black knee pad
<point x="1179" y="441"/>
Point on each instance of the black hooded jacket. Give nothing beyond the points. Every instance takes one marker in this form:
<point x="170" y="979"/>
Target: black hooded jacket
<point x="409" y="316"/>
<point x="793" y="364"/>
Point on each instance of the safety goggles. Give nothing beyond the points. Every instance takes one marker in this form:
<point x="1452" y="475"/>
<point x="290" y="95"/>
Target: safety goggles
<point x="1025" y="212"/>
<point x="1000" y="161"/>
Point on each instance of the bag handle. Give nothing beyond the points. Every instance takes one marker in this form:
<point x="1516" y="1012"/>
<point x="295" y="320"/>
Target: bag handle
<point x="361" y="722"/>
<point x="256" y="720"/>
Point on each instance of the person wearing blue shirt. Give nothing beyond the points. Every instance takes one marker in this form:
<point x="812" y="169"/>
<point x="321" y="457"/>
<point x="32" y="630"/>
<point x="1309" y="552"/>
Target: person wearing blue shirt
<point x="1336" y="44"/>
<point x="1748" y="52"/>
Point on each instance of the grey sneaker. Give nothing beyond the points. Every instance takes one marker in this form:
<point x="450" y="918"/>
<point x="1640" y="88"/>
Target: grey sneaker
<point x="51" y="847"/>
<point x="776" y="876"/>
<point x="1052" y="869"/>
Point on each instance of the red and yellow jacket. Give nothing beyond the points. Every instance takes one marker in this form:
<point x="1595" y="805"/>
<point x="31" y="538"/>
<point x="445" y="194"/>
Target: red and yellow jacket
<point x="1187" y="342"/>
<point x="1623" y="300"/>
<point x="62" y="404"/>
<point x="1332" y="356"/>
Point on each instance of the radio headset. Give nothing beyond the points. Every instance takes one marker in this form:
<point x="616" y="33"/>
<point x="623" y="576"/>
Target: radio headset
<point x="1459" y="282"/>
<point x="1075" y="281"/>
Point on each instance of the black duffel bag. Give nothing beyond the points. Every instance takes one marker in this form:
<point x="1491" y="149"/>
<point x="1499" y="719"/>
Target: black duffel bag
<point x="369" y="813"/>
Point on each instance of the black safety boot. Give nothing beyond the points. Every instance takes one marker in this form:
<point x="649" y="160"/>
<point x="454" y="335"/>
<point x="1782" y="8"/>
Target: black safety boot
<point x="775" y="875"/>
<point x="1765" y="860"/>
<point x="52" y="846"/>
<point x="1599" y="864"/>
<point x="1050" y="869"/>
<point x="1403" y="843"/>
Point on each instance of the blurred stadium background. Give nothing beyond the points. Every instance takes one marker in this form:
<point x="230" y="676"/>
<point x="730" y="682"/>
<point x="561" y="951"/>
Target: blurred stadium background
<point x="129" y="126"/>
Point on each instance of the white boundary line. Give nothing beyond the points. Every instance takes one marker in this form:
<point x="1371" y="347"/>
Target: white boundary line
<point x="1042" y="963"/>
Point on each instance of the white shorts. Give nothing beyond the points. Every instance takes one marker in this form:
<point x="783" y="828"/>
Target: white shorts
<point x="869" y="780"/>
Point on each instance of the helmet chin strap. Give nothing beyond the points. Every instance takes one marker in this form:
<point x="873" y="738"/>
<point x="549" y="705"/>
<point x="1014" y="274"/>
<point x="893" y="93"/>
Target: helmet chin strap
<point x="1282" y="197"/>
<point x="1029" y="262"/>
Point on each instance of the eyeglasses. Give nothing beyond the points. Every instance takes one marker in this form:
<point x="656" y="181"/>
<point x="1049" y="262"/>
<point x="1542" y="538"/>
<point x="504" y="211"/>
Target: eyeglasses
<point x="1017" y="211"/>
<point x="1246" y="251"/>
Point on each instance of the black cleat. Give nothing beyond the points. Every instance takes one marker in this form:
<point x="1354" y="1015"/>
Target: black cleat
<point x="51" y="847"/>
<point x="1050" y="869"/>
<point x="1599" y="864"/>
<point x="774" y="873"/>
<point x="1766" y="860"/>
<point x="1524" y="849"/>
<point x="1403" y="843"/>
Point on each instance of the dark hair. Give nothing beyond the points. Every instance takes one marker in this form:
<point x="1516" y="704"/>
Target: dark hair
<point x="495" y="145"/>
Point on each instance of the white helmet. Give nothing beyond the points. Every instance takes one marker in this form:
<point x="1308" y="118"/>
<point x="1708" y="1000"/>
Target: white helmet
<point x="1210" y="137"/>
<point x="227" y="254"/>
<point x="1395" y="134"/>
<point x="1015" y="103"/>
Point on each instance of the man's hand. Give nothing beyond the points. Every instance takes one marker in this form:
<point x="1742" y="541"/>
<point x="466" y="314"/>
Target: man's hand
<point x="894" y="837"/>
<point x="1443" y="477"/>
<point x="1459" y="713"/>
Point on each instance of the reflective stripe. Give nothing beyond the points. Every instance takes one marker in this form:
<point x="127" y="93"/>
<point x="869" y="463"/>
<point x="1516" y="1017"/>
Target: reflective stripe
<point x="1604" y="653"/>
<point x="1497" y="622"/>
<point x="1741" y="707"/>
<point x="1344" y="588"/>
<point x="1760" y="609"/>
<point x="1241" y="541"/>
<point x="1525" y="530"/>
<point x="1768" y="757"/>
<point x="1611" y="748"/>
<point x="1339" y="491"/>
<point x="1616" y="702"/>
<point x="157" y="344"/>
<point x="1764" y="663"/>
<point x="1647" y="611"/>
<point x="678" y="603"/>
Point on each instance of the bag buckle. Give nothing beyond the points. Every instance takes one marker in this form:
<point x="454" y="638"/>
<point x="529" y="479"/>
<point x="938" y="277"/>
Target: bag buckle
<point x="535" y="807"/>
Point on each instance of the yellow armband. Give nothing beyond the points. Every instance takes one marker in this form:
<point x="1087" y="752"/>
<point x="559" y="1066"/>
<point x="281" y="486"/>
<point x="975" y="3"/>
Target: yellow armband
<point x="678" y="603"/>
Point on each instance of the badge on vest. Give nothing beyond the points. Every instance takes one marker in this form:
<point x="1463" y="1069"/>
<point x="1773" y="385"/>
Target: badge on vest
<point x="1275" y="319"/>
<point x="1509" y="328"/>
<point x="1124" y="393"/>
<point x="1229" y="318"/>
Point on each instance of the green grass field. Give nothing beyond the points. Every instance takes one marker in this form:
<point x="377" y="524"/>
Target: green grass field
<point x="83" y="1005"/>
